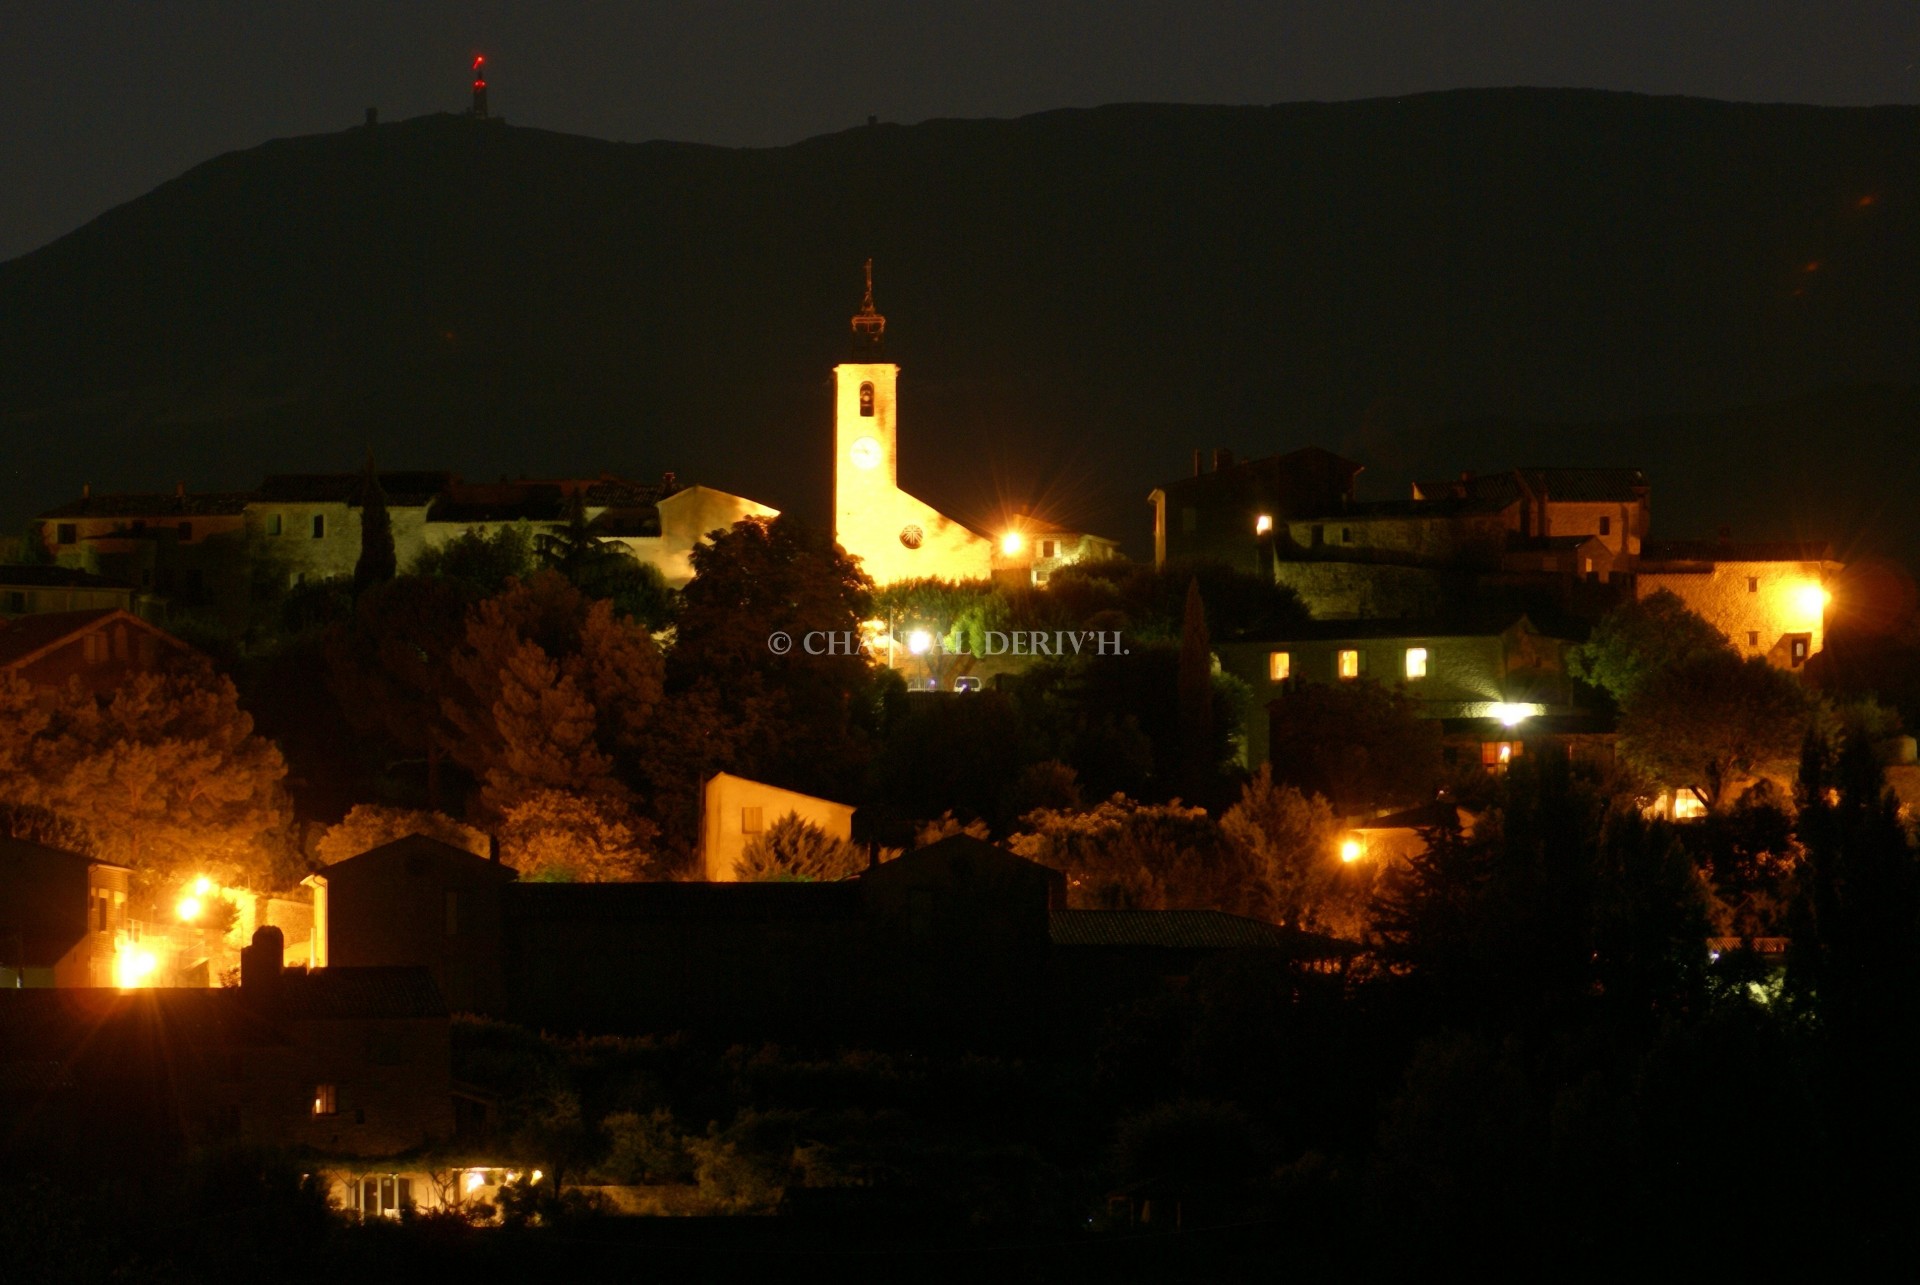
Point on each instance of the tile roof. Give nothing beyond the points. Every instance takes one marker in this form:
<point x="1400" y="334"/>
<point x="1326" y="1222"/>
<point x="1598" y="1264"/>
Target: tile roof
<point x="50" y="577"/>
<point x="1735" y="551"/>
<point x="1574" y="485"/>
<point x="161" y="505"/>
<point x="408" y="489"/>
<point x="1484" y="624"/>
<point x="27" y="637"/>
<point x="1185" y="930"/>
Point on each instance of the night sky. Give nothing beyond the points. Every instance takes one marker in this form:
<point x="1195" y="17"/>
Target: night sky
<point x="104" y="99"/>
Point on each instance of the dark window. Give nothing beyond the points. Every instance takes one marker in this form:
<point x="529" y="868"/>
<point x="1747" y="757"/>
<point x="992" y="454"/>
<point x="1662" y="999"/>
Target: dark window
<point x="453" y="914"/>
<point x="196" y="580"/>
<point x="1189" y="520"/>
<point x="1606" y="526"/>
<point x="186" y="532"/>
<point x="383" y="1050"/>
<point x="866" y="401"/>
<point x="1753" y="584"/>
<point x="359" y="1115"/>
<point x="1346" y="535"/>
<point x="16" y="601"/>
<point x="139" y="526"/>
<point x="1317" y="536"/>
<point x="1048" y="549"/>
<point x="273" y="524"/>
<point x="319" y="526"/>
<point x="1753" y="637"/>
<point x="67" y="533"/>
<point x="919" y="913"/>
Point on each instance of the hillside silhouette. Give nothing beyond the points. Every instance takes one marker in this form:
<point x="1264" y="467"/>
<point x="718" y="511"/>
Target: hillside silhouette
<point x="1724" y="294"/>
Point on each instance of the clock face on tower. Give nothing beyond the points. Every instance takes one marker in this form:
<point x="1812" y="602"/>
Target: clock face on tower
<point x="865" y="452"/>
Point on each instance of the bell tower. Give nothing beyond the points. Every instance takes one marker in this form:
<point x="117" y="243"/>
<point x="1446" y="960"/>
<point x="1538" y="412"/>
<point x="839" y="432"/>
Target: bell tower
<point x="865" y="442"/>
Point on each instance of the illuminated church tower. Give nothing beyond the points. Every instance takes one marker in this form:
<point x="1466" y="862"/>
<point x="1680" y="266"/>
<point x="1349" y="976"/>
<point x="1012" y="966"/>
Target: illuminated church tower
<point x="895" y="536"/>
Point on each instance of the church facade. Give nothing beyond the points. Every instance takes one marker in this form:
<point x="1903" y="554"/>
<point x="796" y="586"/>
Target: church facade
<point x="898" y="536"/>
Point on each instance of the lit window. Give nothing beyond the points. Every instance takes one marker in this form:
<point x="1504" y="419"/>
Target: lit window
<point x="319" y="526"/>
<point x="1801" y="646"/>
<point x="1349" y="663"/>
<point x="326" y="1100"/>
<point x="750" y="821"/>
<point x="1495" y="755"/>
<point x="1416" y="662"/>
<point x="1279" y="666"/>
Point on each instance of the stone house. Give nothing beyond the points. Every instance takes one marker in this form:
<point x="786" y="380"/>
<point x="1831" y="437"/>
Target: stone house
<point x="341" y="1062"/>
<point x="1482" y="671"/>
<point x="39" y="590"/>
<point x="734" y="810"/>
<point x="62" y="916"/>
<point x="98" y="648"/>
<point x="1768" y="598"/>
<point x="953" y="935"/>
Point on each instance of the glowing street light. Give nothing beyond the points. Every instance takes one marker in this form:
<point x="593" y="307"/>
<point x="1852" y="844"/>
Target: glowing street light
<point x="1011" y="543"/>
<point x="1510" y="715"/>
<point x="1351" y="850"/>
<point x="1811" y="600"/>
<point x="1262" y="524"/>
<point x="919" y="642"/>
<point x="133" y="966"/>
<point x="202" y="886"/>
<point x="188" y="909"/>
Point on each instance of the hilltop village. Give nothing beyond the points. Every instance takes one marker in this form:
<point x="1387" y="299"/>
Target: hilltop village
<point x="315" y="790"/>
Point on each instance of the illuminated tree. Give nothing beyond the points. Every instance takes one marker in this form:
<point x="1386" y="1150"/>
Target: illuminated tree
<point x="1709" y="722"/>
<point x="1640" y="639"/>
<point x="1123" y="855"/>
<point x="804" y="718"/>
<point x="793" y="849"/>
<point x="551" y="692"/>
<point x="163" y="774"/>
<point x="575" y="837"/>
<point x="369" y="825"/>
<point x="1290" y="842"/>
<point x="482" y="560"/>
<point x="1359" y="745"/>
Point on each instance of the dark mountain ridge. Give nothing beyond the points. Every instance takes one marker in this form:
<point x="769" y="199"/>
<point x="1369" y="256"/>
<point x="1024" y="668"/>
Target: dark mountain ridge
<point x="1078" y="299"/>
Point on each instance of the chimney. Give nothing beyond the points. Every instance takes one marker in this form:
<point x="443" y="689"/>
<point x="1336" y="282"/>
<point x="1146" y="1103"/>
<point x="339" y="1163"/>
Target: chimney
<point x="179" y="490"/>
<point x="1222" y="459"/>
<point x="86" y="490"/>
<point x="262" y="962"/>
<point x="669" y="483"/>
<point x="1197" y="456"/>
<point x="493" y="848"/>
<point x="373" y="117"/>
